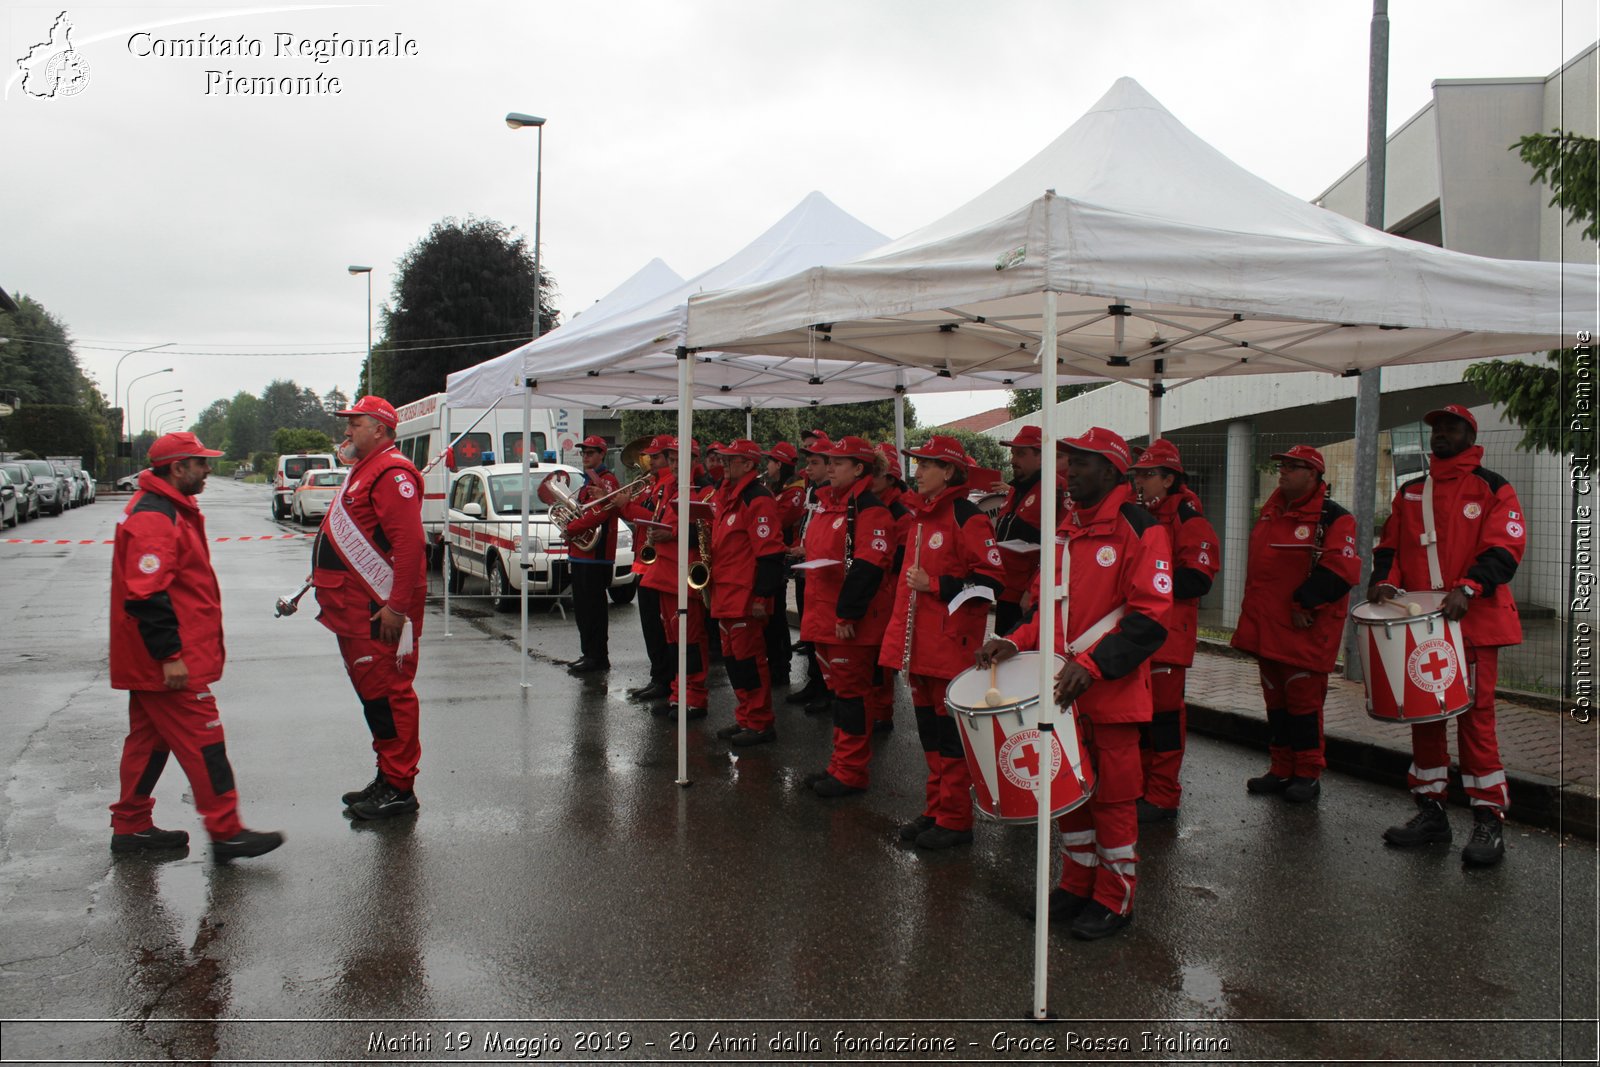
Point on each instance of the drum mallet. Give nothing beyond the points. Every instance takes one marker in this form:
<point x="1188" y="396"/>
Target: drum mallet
<point x="288" y="605"/>
<point x="993" y="697"/>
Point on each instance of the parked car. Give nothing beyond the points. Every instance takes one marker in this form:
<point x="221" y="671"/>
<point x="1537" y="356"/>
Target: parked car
<point x="315" y="493"/>
<point x="128" y="482"/>
<point x="27" y="493"/>
<point x="290" y="470"/>
<point x="10" y="504"/>
<point x="483" y="537"/>
<point x="87" y="481"/>
<point x="49" y="484"/>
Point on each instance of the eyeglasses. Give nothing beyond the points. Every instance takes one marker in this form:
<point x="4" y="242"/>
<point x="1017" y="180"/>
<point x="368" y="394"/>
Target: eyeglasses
<point x="1294" y="467"/>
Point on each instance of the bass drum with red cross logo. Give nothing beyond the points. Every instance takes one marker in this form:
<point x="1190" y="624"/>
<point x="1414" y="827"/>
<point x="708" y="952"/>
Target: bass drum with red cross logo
<point x="1001" y="742"/>
<point x="1413" y="659"/>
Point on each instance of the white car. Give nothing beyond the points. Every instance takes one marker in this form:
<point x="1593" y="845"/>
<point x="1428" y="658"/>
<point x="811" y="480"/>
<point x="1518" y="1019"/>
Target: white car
<point x="315" y="493"/>
<point x="290" y="470"/>
<point x="483" y="537"/>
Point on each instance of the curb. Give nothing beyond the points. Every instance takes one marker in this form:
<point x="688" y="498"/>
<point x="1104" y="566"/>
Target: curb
<point x="1535" y="799"/>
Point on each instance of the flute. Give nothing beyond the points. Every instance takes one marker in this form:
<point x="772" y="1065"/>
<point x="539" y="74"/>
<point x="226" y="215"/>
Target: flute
<point x="911" y="606"/>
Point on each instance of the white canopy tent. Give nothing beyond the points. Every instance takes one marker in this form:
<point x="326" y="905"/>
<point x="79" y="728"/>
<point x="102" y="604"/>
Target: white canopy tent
<point x="1129" y="248"/>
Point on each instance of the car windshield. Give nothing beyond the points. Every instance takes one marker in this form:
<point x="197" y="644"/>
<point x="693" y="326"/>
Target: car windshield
<point x="40" y="469"/>
<point x="506" y="496"/>
<point x="295" y="466"/>
<point x="327" y="477"/>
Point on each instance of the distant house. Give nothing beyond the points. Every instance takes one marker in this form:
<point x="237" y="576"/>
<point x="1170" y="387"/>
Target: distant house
<point x="982" y="421"/>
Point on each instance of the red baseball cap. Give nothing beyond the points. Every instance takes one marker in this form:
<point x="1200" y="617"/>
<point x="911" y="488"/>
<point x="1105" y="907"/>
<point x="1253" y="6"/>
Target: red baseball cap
<point x="819" y="434"/>
<point x="174" y="446"/>
<point x="1027" y="437"/>
<point x="1432" y="417"/>
<point x="741" y="447"/>
<point x="783" y="452"/>
<point x="1161" y="454"/>
<point x="890" y="454"/>
<point x="820" y="446"/>
<point x="851" y="447"/>
<point x="662" y="442"/>
<point x="1304" y="454"/>
<point x="1102" y="442"/>
<point x="593" y="441"/>
<point x="945" y="449"/>
<point x="374" y="406"/>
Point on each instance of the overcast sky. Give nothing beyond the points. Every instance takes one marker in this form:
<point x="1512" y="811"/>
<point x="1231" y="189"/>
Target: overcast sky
<point x="144" y="209"/>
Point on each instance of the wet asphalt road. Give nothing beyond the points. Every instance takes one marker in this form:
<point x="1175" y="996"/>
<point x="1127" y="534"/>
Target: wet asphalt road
<point x="556" y="872"/>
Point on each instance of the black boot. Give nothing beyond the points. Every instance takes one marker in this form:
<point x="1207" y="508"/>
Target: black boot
<point x="1429" y="824"/>
<point x="1487" y="845"/>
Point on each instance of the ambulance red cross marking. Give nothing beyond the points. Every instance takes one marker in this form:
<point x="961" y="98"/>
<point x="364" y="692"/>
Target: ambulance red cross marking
<point x="1434" y="666"/>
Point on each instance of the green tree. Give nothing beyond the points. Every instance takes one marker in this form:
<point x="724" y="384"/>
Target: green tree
<point x="290" y="439"/>
<point x="38" y="361"/>
<point x="212" y="425"/>
<point x="462" y="295"/>
<point x="56" y="430"/>
<point x="246" y="431"/>
<point x="985" y="450"/>
<point x="1567" y="162"/>
<point x="1024" y="402"/>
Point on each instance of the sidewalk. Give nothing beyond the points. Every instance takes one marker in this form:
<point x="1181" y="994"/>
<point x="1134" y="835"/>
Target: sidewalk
<point x="1550" y="759"/>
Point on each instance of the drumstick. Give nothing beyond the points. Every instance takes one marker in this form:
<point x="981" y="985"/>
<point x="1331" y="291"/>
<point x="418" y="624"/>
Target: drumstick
<point x="993" y="698"/>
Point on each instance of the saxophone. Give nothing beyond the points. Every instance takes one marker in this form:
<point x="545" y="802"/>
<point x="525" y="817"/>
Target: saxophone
<point x="700" y="570"/>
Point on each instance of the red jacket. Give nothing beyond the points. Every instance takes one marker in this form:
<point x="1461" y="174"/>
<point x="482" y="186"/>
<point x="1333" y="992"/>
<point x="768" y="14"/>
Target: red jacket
<point x="746" y="548"/>
<point x="1018" y="520"/>
<point x="957" y="551"/>
<point x="164" y="598"/>
<point x="1196" y="558"/>
<point x="1119" y="556"/>
<point x="383" y="497"/>
<point x="645" y="506"/>
<point x="860" y="588"/>
<point x="662" y="506"/>
<point x="791" y="508"/>
<point x="1285" y="572"/>
<point x="1482" y="535"/>
<point x="603" y="518"/>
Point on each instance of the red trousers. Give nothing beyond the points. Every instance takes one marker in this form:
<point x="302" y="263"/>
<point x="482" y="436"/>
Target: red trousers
<point x="699" y="646"/>
<point x="852" y="674"/>
<point x="948" y="799"/>
<point x="390" y="704"/>
<point x="1482" y="775"/>
<point x="1098" y="839"/>
<point x="744" y="654"/>
<point x="185" y="723"/>
<point x="1162" y="742"/>
<point x="1294" y="698"/>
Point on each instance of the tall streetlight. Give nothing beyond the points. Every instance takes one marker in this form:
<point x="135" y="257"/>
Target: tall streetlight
<point x="175" y="420"/>
<point x="517" y="120"/>
<point x="155" y="410"/>
<point x="128" y="401"/>
<point x="368" y="272"/>
<point x="144" y="423"/>
<point x="115" y="380"/>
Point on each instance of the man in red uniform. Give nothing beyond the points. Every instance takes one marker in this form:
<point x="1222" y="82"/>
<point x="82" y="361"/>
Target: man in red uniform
<point x="1118" y="572"/>
<point x="648" y="506"/>
<point x="951" y="548"/>
<point x="1018" y="520"/>
<point x="166" y="650"/>
<point x="369" y="572"/>
<point x="1302" y="564"/>
<point x="790" y="490"/>
<point x="1461" y="529"/>
<point x="746" y="572"/>
<point x="1196" y="558"/>
<point x="591" y="567"/>
<point x="814" y="695"/>
<point x="848" y="601"/>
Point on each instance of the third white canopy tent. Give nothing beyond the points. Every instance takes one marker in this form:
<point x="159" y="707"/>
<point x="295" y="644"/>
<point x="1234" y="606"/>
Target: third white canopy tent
<point x="1128" y="249"/>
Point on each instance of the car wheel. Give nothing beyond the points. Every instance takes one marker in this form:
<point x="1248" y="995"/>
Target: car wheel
<point x="500" y="594"/>
<point x="623" y="594"/>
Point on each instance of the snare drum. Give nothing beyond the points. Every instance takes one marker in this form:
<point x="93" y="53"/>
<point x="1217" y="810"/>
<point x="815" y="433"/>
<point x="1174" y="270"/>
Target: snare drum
<point x="1002" y="746"/>
<point x="1414" y="666"/>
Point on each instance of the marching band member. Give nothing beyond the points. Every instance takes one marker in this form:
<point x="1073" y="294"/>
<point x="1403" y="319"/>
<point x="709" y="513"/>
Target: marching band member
<point x="847" y="607"/>
<point x="790" y="491"/>
<point x="1115" y="560"/>
<point x="369" y="570"/>
<point x="951" y="546"/>
<point x="1479" y="537"/>
<point x="1302" y="564"/>
<point x="662" y="576"/>
<point x="1018" y="520"/>
<point x="591" y="567"/>
<point x="814" y="695"/>
<point x="746" y="571"/>
<point x="713" y="468"/>
<point x="647" y="505"/>
<point x="890" y="489"/>
<point x="1196" y="558"/>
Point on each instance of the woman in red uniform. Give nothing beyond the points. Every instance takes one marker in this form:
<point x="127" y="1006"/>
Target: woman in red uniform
<point x="790" y="490"/>
<point x="848" y="601"/>
<point x="949" y="547"/>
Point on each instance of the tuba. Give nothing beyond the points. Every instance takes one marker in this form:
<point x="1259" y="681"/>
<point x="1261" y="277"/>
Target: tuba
<point x="556" y="492"/>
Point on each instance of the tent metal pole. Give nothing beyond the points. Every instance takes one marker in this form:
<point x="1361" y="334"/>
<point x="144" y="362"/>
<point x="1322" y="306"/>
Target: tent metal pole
<point x="527" y="482"/>
<point x="1047" y="658"/>
<point x="1370" y="389"/>
<point x="900" y="419"/>
<point x="1157" y="392"/>
<point x="749" y="422"/>
<point x="685" y="479"/>
<point x="447" y="563"/>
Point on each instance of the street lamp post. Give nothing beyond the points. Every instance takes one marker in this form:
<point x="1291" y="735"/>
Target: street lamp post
<point x="128" y="401"/>
<point x="115" y="379"/>
<point x="175" y="420"/>
<point x="517" y="120"/>
<point x="368" y="272"/>
<point x="144" y="423"/>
